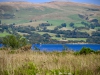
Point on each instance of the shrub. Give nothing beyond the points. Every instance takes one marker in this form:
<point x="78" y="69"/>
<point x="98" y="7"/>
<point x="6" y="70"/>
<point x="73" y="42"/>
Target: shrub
<point x="86" y="51"/>
<point x="12" y="52"/>
<point x="27" y="69"/>
<point x="14" y="41"/>
<point x="97" y="52"/>
<point x="4" y="72"/>
<point x="26" y="48"/>
<point x="77" y="53"/>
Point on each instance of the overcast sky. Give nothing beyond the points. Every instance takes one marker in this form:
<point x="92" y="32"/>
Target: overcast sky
<point x="97" y="2"/>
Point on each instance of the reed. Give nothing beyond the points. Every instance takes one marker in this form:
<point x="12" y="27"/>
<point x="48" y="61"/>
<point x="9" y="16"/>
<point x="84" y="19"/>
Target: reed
<point x="48" y="63"/>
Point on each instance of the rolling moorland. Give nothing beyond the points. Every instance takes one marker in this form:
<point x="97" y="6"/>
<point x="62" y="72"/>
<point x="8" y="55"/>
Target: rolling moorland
<point x="58" y="22"/>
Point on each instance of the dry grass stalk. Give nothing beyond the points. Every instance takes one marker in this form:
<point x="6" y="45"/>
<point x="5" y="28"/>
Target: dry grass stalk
<point x="48" y="62"/>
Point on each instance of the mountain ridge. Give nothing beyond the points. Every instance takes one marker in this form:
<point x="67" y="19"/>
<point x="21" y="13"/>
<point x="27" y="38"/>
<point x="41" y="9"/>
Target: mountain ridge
<point x="56" y="3"/>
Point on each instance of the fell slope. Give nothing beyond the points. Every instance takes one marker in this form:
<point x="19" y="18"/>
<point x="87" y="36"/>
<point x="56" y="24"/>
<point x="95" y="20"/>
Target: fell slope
<point x="67" y="11"/>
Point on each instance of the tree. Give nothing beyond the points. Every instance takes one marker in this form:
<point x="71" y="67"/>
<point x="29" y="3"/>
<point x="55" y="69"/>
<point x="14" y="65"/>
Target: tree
<point x="0" y="40"/>
<point x="47" y="36"/>
<point x="63" y="25"/>
<point x="58" y="35"/>
<point x="30" y="20"/>
<point x="14" y="41"/>
<point x="44" y="28"/>
<point x="56" y="28"/>
<point x="0" y="21"/>
<point x="37" y="28"/>
<point x="71" y="24"/>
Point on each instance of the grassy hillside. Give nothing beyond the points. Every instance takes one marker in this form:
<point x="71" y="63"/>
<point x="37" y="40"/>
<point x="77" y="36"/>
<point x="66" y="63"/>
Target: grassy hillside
<point x="66" y="11"/>
<point x="55" y="13"/>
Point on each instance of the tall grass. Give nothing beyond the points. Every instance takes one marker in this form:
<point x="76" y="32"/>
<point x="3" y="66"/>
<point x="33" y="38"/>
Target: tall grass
<point x="48" y="63"/>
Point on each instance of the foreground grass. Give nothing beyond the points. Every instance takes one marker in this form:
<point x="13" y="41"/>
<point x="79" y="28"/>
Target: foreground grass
<point x="48" y="63"/>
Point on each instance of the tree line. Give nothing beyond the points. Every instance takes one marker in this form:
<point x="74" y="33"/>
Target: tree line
<point x="34" y="37"/>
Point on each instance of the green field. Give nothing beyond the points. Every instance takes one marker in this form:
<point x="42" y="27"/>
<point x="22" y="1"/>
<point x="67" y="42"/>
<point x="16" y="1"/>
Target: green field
<point x="76" y="39"/>
<point x="72" y="39"/>
<point x="3" y="34"/>
<point x="75" y="17"/>
<point x="88" y="31"/>
<point x="16" y="21"/>
<point x="51" y="34"/>
<point x="56" y="22"/>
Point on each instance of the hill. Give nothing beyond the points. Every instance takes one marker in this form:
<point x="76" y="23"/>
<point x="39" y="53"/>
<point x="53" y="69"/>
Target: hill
<point x="55" y="13"/>
<point x="51" y="10"/>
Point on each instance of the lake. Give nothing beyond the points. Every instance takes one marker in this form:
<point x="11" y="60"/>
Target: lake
<point x="1" y="45"/>
<point x="60" y="47"/>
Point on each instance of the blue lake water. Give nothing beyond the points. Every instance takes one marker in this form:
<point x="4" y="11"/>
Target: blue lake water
<point x="60" y="47"/>
<point x="1" y="45"/>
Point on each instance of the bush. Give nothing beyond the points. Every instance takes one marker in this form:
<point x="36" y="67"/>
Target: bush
<point x="86" y="51"/>
<point x="27" y="69"/>
<point x="14" y="41"/>
<point x="77" y="53"/>
<point x="97" y="52"/>
<point x="26" y="48"/>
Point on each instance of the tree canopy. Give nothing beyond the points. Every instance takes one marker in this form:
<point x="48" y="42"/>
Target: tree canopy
<point x="13" y="41"/>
